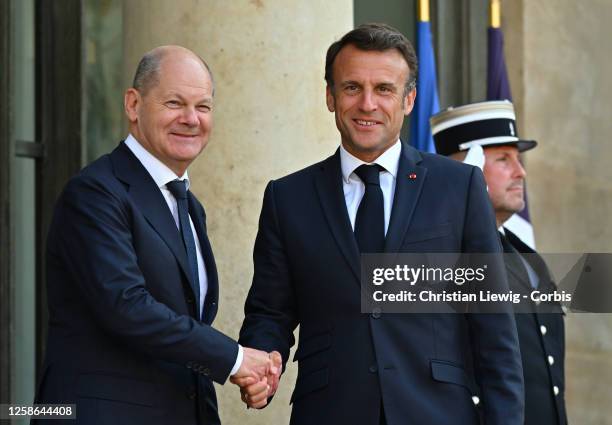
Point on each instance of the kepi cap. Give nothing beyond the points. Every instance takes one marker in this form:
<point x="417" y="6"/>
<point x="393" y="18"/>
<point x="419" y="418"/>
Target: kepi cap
<point x="491" y="123"/>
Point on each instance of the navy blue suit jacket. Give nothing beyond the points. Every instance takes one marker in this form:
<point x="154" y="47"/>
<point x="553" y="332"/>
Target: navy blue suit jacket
<point x="422" y="367"/>
<point x="125" y="342"/>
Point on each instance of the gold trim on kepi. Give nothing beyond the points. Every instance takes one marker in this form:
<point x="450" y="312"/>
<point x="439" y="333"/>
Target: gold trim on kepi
<point x="491" y="123"/>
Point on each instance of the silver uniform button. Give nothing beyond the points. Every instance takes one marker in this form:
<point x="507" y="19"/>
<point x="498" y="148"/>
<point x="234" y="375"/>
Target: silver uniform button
<point x="556" y="390"/>
<point x="476" y="400"/>
<point x="543" y="330"/>
<point x="551" y="360"/>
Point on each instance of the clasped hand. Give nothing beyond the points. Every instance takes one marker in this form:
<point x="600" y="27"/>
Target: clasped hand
<point x="258" y="376"/>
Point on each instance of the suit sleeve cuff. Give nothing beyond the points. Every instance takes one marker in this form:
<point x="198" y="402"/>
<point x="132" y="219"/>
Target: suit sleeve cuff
<point x="238" y="363"/>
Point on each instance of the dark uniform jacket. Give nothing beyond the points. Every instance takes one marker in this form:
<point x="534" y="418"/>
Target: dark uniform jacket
<point x="541" y="337"/>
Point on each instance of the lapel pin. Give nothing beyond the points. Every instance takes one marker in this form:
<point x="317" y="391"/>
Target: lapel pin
<point x="412" y="176"/>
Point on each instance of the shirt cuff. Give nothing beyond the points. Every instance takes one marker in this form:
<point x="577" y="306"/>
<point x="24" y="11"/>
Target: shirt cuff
<point x="238" y="361"/>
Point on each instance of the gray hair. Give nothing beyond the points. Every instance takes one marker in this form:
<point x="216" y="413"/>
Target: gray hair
<point x="147" y="71"/>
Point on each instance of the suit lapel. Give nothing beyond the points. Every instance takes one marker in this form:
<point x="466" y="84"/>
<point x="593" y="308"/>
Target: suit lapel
<point x="151" y="203"/>
<point x="536" y="262"/>
<point x="407" y="191"/>
<point x="408" y="186"/>
<point x="328" y="182"/>
<point x="513" y="263"/>
<point x="212" y="295"/>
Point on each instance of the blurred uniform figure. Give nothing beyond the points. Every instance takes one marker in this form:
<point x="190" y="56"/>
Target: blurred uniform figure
<point x="484" y="134"/>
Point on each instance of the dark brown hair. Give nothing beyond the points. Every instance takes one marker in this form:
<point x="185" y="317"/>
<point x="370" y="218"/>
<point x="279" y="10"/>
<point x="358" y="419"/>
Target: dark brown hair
<point x="379" y="37"/>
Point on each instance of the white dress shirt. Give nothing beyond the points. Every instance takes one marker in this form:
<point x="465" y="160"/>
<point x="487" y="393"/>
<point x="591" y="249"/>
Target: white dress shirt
<point x="354" y="188"/>
<point x="162" y="175"/>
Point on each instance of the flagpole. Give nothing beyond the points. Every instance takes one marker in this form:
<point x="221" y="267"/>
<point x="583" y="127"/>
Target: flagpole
<point x="423" y="10"/>
<point x="495" y="13"/>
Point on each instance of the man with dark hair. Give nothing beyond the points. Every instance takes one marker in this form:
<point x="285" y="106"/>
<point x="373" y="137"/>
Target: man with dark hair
<point x="131" y="277"/>
<point x="374" y="37"/>
<point x="377" y="194"/>
<point x="489" y="128"/>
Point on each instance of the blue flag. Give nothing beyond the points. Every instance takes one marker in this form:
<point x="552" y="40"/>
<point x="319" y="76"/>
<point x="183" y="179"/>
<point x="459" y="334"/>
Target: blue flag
<point x="426" y="103"/>
<point x="498" y="84"/>
<point x="498" y="88"/>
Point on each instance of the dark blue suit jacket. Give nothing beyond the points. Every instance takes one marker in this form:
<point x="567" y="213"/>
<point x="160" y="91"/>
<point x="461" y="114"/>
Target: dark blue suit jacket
<point x="124" y="341"/>
<point x="422" y="367"/>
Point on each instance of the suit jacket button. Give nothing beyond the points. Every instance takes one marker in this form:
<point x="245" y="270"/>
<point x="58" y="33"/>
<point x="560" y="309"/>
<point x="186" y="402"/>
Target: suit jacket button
<point x="206" y="371"/>
<point x="376" y="312"/>
<point x="551" y="360"/>
<point x="373" y="368"/>
<point x="556" y="390"/>
<point x="543" y="330"/>
<point x="190" y="300"/>
<point x="476" y="400"/>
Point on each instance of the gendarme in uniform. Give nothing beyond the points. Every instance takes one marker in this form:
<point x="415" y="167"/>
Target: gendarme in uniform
<point x="480" y="129"/>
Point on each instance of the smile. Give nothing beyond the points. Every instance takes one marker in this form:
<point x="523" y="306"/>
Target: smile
<point x="366" y="123"/>
<point x="184" y="135"/>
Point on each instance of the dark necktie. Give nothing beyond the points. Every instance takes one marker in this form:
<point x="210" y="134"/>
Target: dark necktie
<point x="370" y="219"/>
<point x="179" y="191"/>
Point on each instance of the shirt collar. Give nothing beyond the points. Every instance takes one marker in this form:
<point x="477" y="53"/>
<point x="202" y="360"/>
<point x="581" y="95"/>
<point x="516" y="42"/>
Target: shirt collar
<point x="158" y="170"/>
<point x="389" y="160"/>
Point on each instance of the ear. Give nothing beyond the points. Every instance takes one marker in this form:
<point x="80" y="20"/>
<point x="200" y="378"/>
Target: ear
<point x="329" y="97"/>
<point x="131" y="102"/>
<point x="409" y="101"/>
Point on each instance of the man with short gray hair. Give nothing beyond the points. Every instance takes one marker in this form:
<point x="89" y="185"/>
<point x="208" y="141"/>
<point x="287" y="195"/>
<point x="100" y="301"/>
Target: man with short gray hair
<point x="131" y="277"/>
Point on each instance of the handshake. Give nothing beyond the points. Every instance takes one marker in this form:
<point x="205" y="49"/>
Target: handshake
<point x="258" y="376"/>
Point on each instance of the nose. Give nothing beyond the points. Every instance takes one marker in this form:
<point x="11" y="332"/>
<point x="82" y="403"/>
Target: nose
<point x="367" y="101"/>
<point x="189" y="117"/>
<point x="519" y="170"/>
